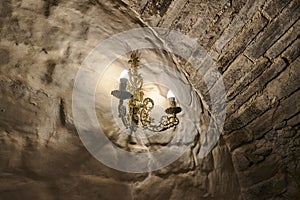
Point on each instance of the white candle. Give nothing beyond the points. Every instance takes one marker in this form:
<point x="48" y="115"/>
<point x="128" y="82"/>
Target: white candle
<point x="123" y="80"/>
<point x="171" y="96"/>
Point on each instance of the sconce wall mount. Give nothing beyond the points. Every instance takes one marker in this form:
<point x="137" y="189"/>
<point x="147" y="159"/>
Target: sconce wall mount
<point x="138" y="107"/>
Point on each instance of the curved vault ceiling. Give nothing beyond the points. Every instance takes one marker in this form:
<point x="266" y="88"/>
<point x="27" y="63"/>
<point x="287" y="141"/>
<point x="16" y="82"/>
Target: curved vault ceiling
<point x="256" y="47"/>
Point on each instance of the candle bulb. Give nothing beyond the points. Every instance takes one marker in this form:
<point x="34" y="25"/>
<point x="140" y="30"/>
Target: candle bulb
<point x="123" y="84"/>
<point x="122" y="93"/>
<point x="123" y="80"/>
<point x="171" y="98"/>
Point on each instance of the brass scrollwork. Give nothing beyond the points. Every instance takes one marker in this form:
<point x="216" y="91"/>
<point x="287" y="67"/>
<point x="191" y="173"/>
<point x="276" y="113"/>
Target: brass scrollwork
<point x="140" y="108"/>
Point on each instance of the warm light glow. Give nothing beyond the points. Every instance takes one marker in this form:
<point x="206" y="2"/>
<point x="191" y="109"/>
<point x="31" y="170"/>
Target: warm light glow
<point x="153" y="92"/>
<point x="170" y="94"/>
<point x="124" y="74"/>
<point x="144" y="103"/>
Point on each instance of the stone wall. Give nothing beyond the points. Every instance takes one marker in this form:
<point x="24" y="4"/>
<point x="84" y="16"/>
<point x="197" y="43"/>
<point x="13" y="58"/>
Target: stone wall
<point x="256" y="47"/>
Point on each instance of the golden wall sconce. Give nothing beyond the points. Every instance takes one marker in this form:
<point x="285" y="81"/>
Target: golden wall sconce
<point x="137" y="112"/>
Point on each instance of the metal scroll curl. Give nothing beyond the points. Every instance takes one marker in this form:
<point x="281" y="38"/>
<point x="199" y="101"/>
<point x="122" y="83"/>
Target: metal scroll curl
<point x="165" y="122"/>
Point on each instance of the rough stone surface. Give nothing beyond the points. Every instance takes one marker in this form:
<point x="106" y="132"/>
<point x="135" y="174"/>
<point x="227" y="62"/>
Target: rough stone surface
<point x="275" y="30"/>
<point x="256" y="47"/>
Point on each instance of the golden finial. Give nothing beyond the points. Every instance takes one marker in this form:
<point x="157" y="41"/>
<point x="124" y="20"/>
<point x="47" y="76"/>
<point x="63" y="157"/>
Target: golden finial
<point x="134" y="59"/>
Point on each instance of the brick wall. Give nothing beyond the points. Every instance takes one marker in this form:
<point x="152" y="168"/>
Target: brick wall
<point x="256" y="47"/>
